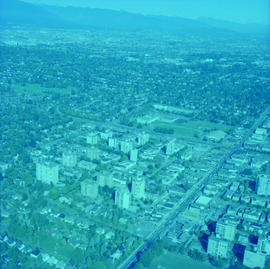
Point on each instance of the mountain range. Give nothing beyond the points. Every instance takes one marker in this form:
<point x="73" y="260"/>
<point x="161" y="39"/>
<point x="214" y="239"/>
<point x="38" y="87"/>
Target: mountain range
<point x="15" y="12"/>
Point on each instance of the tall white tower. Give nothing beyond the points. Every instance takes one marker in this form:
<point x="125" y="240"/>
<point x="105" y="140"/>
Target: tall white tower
<point x="47" y="172"/>
<point x="122" y="197"/>
<point x="89" y="188"/>
<point x="133" y="155"/>
<point x="69" y="158"/>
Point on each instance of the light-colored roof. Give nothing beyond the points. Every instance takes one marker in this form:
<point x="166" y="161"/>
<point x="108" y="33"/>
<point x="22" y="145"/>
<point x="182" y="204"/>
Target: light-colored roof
<point x="203" y="200"/>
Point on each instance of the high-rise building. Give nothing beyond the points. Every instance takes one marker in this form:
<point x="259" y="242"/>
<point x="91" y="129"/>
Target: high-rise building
<point x="126" y="146"/>
<point x="263" y="185"/>
<point x="92" y="138"/>
<point x="170" y="147"/>
<point x="138" y="187"/>
<point x="105" y="179"/>
<point x="142" y="139"/>
<point x="89" y="188"/>
<point x="133" y="155"/>
<point x="93" y="153"/>
<point x="218" y="247"/>
<point x="47" y="172"/>
<point x="226" y="230"/>
<point x="69" y="158"/>
<point x="112" y="143"/>
<point x="101" y="179"/>
<point x="106" y="134"/>
<point x="122" y="197"/>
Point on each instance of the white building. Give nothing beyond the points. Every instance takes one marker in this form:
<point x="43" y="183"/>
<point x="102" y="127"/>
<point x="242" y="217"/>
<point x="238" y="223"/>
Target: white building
<point x="101" y="179"/>
<point x="226" y="230"/>
<point x="47" y="172"/>
<point x="122" y="197"/>
<point x="170" y="147"/>
<point x="254" y="258"/>
<point x="265" y="245"/>
<point x="92" y="153"/>
<point x="105" y="179"/>
<point x="138" y="188"/>
<point x="113" y="143"/>
<point x="126" y="146"/>
<point x="69" y="158"/>
<point x="89" y="188"/>
<point x="218" y="247"/>
<point x="133" y="155"/>
<point x="263" y="185"/>
<point x="92" y="138"/>
<point x="106" y="134"/>
<point x="142" y="139"/>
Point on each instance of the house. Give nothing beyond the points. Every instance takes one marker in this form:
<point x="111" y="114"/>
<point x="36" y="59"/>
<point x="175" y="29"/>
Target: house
<point x="35" y="253"/>
<point x="116" y="255"/>
<point x="11" y="242"/>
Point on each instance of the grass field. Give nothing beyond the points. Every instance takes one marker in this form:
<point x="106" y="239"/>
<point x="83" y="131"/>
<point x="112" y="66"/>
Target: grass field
<point x="178" y="129"/>
<point x="36" y="88"/>
<point x="173" y="261"/>
<point x="207" y="125"/>
<point x="191" y="128"/>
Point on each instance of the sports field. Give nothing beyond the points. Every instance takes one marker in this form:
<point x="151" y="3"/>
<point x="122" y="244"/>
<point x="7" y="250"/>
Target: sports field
<point x="190" y="128"/>
<point x="173" y="261"/>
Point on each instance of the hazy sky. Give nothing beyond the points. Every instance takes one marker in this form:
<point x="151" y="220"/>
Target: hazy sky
<point x="243" y="11"/>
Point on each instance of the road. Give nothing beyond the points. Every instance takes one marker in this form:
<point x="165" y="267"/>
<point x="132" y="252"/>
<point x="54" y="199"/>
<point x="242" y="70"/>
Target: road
<point x="165" y="225"/>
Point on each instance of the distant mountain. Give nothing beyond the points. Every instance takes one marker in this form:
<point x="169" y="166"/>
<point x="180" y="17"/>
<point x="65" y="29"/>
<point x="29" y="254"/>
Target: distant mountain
<point x="15" y="12"/>
<point x="251" y="28"/>
<point x="104" y="18"/>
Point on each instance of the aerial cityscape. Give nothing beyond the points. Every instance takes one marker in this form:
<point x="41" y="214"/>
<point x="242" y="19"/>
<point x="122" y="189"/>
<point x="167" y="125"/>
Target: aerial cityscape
<point x="146" y="148"/>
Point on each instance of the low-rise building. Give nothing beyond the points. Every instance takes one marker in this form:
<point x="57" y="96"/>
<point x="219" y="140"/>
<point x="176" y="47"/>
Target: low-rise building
<point x="254" y="258"/>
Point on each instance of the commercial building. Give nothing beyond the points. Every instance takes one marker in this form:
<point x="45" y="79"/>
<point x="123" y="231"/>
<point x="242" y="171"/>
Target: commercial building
<point x="218" y="247"/>
<point x="138" y="188"/>
<point x="263" y="185"/>
<point x="264" y="244"/>
<point x="89" y="188"/>
<point x="47" y="172"/>
<point x="122" y="197"/>
<point x="254" y="258"/>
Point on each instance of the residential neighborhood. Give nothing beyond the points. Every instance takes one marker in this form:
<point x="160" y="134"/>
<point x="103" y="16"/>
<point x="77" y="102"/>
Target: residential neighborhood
<point x="119" y="149"/>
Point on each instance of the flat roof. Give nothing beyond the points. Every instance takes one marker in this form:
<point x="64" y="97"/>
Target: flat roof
<point x="203" y="200"/>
